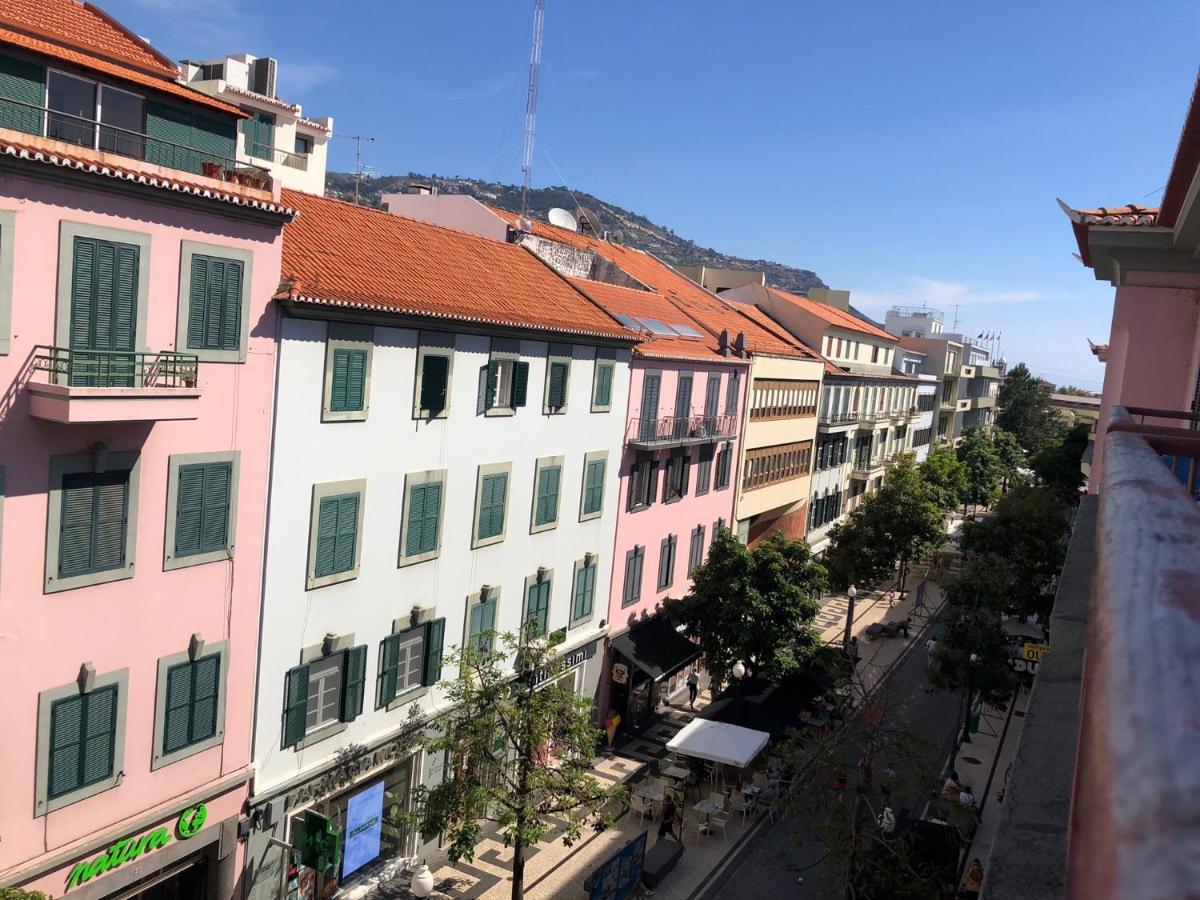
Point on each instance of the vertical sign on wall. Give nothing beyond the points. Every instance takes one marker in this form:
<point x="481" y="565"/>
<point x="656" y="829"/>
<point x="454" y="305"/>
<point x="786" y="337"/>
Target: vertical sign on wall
<point x="364" y="828"/>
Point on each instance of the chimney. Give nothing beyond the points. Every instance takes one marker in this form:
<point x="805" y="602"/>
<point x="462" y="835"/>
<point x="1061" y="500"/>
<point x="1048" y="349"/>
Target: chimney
<point x="839" y="299"/>
<point x="739" y="344"/>
<point x="723" y="342"/>
<point x="417" y="187"/>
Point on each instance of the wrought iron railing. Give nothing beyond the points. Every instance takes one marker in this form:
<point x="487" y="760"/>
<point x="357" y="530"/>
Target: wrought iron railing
<point x="669" y="429"/>
<point x="837" y="418"/>
<point x="95" y="135"/>
<point x="115" y="368"/>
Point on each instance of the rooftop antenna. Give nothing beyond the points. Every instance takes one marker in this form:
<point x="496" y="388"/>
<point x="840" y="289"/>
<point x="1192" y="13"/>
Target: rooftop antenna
<point x="535" y="69"/>
<point x="358" y="166"/>
<point x="954" y="328"/>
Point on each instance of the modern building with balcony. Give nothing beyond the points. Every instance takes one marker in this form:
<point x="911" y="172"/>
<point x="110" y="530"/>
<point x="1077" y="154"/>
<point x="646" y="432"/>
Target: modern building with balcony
<point x="138" y="260"/>
<point x="677" y="473"/>
<point x="910" y="362"/>
<point x="866" y="405"/>
<point x="943" y="360"/>
<point x="275" y="135"/>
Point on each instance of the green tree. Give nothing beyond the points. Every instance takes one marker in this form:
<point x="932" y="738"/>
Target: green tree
<point x="520" y="746"/>
<point x="1058" y="463"/>
<point x="1010" y="455"/>
<point x="1026" y="530"/>
<point x="1025" y="409"/>
<point x="982" y="465"/>
<point x="972" y="654"/>
<point x="752" y="604"/>
<point x="15" y="893"/>
<point x="943" y="472"/>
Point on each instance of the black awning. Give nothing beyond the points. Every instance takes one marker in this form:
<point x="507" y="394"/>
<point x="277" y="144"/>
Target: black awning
<point x="656" y="648"/>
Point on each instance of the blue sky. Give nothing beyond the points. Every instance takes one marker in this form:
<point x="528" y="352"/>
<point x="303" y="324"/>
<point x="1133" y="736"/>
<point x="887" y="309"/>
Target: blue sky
<point x="903" y="151"/>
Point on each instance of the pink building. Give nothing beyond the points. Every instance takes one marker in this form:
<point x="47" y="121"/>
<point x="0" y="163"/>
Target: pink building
<point x="1150" y="256"/>
<point x="682" y="436"/>
<point x="137" y="261"/>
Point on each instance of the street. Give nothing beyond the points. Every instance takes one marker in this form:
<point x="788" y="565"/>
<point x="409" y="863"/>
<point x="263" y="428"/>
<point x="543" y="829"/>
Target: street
<point x="785" y="852"/>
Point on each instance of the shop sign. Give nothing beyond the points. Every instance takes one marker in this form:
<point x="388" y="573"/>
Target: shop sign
<point x="570" y="661"/>
<point x="319" y="844"/>
<point x="364" y="828"/>
<point x="1034" y="652"/>
<point x="356" y="765"/>
<point x="190" y="821"/>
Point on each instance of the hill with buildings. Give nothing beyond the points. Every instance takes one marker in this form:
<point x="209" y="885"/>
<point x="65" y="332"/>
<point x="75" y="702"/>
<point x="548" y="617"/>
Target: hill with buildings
<point x="621" y="224"/>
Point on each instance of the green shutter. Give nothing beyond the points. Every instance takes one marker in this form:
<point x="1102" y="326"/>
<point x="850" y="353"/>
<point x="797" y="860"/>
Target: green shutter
<point x="683" y="397"/>
<point x="492" y="495"/>
<point x="190" y="714"/>
<point x="197" y="302"/>
<point x="327" y="517"/>
<point x="435" y="377"/>
<point x="546" y="510"/>
<point x="202" y="508"/>
<point x="215" y="304"/>
<point x="604" y="380"/>
<point x="354" y="679"/>
<point x="389" y="652"/>
<point x="593" y="488"/>
<point x="493" y="376"/>
<point x="66" y="746"/>
<point x="712" y="396"/>
<point x="348" y="389"/>
<point x="537" y="608"/>
<point x="556" y="391"/>
<point x="585" y="586"/>
<point x="475" y="630"/>
<point x="24" y="82"/>
<point x="206" y="684"/>
<point x="731" y="393"/>
<point x="83" y="294"/>
<point x="92" y="526"/>
<point x="424" y="508"/>
<point x="520" y="387"/>
<point x="177" y="715"/>
<point x="82" y="740"/>
<point x="649" y="409"/>
<point x="345" y="545"/>
<point x="435" y="636"/>
<point x="295" y="706"/>
<point x="489" y="619"/>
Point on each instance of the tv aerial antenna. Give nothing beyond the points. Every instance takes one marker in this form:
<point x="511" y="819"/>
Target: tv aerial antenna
<point x="531" y="98"/>
<point x="359" y="169"/>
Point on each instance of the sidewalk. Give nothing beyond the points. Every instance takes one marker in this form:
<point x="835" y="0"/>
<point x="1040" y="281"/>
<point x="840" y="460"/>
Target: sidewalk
<point x="553" y="870"/>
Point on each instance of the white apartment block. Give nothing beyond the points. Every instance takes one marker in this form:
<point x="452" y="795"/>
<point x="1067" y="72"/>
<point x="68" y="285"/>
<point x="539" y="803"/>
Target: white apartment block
<point x="276" y="135"/>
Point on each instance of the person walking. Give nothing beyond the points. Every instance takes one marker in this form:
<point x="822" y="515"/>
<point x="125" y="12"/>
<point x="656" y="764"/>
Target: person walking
<point x="972" y="881"/>
<point x="669" y="810"/>
<point x="693" y="683"/>
<point x="931" y="647"/>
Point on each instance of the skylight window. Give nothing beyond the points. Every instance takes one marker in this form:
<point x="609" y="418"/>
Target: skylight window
<point x="686" y="330"/>
<point x="657" y="327"/>
<point x="628" y="321"/>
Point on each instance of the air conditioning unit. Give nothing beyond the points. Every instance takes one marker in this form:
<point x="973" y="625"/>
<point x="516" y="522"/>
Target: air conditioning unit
<point x="262" y="76"/>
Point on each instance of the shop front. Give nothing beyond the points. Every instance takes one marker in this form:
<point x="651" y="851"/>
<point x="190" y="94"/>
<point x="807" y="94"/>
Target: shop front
<point x="189" y="855"/>
<point x="647" y="666"/>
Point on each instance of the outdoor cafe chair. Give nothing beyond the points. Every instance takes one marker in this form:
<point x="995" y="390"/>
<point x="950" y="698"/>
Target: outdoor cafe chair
<point x="717" y="798"/>
<point x="741" y="803"/>
<point x="641" y="806"/>
<point x="718" y="821"/>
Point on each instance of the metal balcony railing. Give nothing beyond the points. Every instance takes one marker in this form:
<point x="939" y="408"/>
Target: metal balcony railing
<point x="1133" y="827"/>
<point x="109" y="369"/>
<point x="918" y="312"/>
<point x="666" y="431"/>
<point x="837" y="418"/>
<point x="95" y="135"/>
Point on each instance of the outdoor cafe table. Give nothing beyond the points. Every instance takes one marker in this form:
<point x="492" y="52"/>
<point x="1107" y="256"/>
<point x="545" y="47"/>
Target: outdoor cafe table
<point x="651" y="792"/>
<point x="707" y="808"/>
<point x="679" y="773"/>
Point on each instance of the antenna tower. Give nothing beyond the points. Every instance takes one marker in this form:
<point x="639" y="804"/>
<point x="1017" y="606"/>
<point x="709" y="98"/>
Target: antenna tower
<point x="358" y="166"/>
<point x="535" y="69"/>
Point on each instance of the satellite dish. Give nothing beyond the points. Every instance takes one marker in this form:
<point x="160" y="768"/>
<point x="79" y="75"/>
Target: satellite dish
<point x="563" y="219"/>
<point x="589" y="222"/>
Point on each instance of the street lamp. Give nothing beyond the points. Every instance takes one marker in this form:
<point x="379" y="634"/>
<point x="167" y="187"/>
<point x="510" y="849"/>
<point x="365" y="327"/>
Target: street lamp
<point x="852" y="592"/>
<point x="966" y="733"/>
<point x="738" y="672"/>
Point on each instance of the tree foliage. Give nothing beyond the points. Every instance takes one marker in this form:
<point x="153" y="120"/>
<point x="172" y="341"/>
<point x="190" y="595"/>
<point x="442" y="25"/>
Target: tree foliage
<point x="520" y="746"/>
<point x="16" y="893"/>
<point x="1058" y="463"/>
<point x="946" y="475"/>
<point x="982" y="466"/>
<point x="1025" y="410"/>
<point x="1009" y="452"/>
<point x="896" y="525"/>
<point x="752" y="604"/>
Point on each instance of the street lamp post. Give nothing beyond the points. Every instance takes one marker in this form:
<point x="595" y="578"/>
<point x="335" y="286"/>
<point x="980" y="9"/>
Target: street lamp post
<point x="966" y="732"/>
<point x="738" y="672"/>
<point x="852" y="592"/>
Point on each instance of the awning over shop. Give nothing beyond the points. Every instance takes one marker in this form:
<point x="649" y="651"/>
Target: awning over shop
<point x="656" y="648"/>
<point x="720" y="742"/>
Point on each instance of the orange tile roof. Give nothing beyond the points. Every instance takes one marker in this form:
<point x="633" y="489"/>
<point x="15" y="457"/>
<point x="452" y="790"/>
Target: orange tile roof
<point x="714" y="314"/>
<point x="339" y="254"/>
<point x="632" y="302"/>
<point x="832" y="315"/>
<point x="41" y="150"/>
<point x="84" y="35"/>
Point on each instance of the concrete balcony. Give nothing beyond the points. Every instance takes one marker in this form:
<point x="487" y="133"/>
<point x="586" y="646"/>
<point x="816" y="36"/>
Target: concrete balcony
<point x="831" y="420"/>
<point x="967" y="372"/>
<point x="962" y="405"/>
<point x="84" y="387"/>
<point x="666" y="432"/>
<point x="983" y="402"/>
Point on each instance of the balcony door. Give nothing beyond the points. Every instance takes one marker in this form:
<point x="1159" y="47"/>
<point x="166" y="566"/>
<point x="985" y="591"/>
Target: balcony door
<point x="683" y="405"/>
<point x="104" y="289"/>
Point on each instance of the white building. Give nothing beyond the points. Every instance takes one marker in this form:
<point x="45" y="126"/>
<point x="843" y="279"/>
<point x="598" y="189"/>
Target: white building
<point x="276" y="135"/>
<point x="910" y="362"/>
<point x="450" y="416"/>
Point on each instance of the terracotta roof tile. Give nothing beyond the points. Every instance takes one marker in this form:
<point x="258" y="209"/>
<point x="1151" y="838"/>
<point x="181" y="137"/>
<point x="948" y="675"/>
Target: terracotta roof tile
<point x="714" y="314"/>
<point x="81" y="161"/>
<point x="82" y="34"/>
<point x="832" y="315"/>
<point x="339" y="254"/>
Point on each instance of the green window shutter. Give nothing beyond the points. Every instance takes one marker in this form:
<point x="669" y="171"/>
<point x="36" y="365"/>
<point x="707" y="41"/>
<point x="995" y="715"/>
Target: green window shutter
<point x="475" y="629"/>
<point x="649" y="409"/>
<point x="348" y="389"/>
<point x="124" y="298"/>
<point x="537" y="608"/>
<point x="435" y="636"/>
<point x="202" y="508"/>
<point x="435" y="379"/>
<point x="354" y="679"/>
<point x="731" y="393"/>
<point x="389" y="657"/>
<point x="345" y="545"/>
<point x="206" y="686"/>
<point x="111" y="505"/>
<point x="83" y="293"/>
<point x="593" y="490"/>
<point x="177" y="722"/>
<point x="520" y="388"/>
<point x="683" y="397"/>
<point x="83" y="733"/>
<point x="295" y="708"/>
<point x="556" y="391"/>
<point x="604" y="381"/>
<point x="24" y="82"/>
<point x="197" y="302"/>
<point x="633" y="575"/>
<point x="489" y="619"/>
<point x="416" y="518"/>
<point x="493" y="493"/>
<point x="547" y="495"/>
<point x="666" y="562"/>
<point x="93" y="523"/>
<point x="215" y="304"/>
<point x="75" y="530"/>
<point x="191" y="703"/>
<point x="218" y="480"/>
<point x="493" y="377"/>
<point x="327" y="518"/>
<point x="585" y="586"/>
<point x="712" y="396"/>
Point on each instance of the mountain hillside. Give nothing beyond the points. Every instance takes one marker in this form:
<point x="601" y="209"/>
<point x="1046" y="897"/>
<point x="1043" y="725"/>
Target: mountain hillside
<point x="629" y="227"/>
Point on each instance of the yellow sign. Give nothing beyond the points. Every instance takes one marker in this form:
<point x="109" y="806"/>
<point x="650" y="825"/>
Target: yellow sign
<point x="1035" y="652"/>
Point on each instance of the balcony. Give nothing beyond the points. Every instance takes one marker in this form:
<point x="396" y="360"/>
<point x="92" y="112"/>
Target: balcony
<point x="947" y="405"/>
<point x="298" y="161"/>
<point x="77" y="387"/>
<point x="962" y="405"/>
<point x="666" y="432"/>
<point x="866" y="468"/>
<point x="967" y="372"/>
<point x="837" y="418"/>
<point x="91" y="134"/>
<point x="918" y="312"/>
<point x="982" y="402"/>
